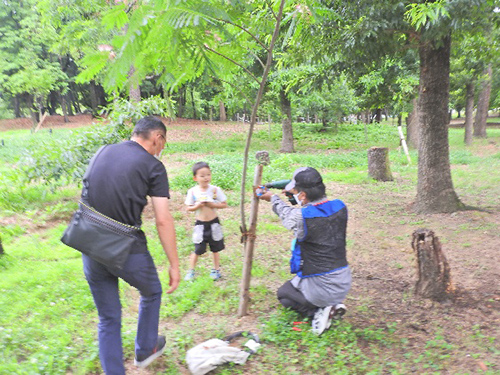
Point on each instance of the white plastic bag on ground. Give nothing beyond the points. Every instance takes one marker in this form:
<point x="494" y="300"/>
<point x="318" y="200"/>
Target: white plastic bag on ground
<point x="209" y="354"/>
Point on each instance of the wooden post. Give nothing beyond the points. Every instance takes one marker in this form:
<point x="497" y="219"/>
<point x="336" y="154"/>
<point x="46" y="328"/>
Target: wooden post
<point x="263" y="158"/>
<point x="434" y="278"/>
<point x="41" y="121"/>
<point x="378" y="164"/>
<point x="403" y="141"/>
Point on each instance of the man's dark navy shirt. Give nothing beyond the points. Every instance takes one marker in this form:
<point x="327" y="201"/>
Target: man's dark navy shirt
<point x="122" y="177"/>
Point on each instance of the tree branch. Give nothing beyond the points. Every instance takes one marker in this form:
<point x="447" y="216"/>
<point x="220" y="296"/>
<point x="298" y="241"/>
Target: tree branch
<point x="234" y="62"/>
<point x="272" y="11"/>
<point x="248" y="32"/>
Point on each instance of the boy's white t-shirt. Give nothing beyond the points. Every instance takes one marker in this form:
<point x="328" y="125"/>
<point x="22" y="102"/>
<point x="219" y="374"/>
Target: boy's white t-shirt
<point x="212" y="194"/>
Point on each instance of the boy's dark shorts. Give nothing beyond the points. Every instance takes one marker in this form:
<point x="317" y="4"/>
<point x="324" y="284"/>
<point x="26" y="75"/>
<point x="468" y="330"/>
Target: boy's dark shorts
<point x="208" y="232"/>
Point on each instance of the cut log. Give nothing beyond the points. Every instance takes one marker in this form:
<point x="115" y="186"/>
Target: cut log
<point x="378" y="164"/>
<point x="434" y="277"/>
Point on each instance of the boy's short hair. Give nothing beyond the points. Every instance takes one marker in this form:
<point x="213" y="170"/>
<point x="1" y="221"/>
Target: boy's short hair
<point x="198" y="166"/>
<point x="309" y="181"/>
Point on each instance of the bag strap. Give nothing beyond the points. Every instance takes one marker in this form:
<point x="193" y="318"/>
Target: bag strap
<point x="85" y="179"/>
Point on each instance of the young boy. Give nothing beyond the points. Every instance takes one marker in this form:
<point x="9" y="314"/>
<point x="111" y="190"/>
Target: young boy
<point x="205" y="199"/>
<point x="323" y="277"/>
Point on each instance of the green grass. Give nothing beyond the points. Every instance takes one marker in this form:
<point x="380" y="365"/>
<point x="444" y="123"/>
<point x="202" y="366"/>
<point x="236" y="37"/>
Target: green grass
<point x="47" y="316"/>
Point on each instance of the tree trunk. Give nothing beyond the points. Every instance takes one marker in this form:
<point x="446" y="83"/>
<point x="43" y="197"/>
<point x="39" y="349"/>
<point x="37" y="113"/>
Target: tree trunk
<point x="17" y="106"/>
<point x="222" y="111"/>
<point x="93" y="97"/>
<point x="192" y="103"/>
<point x="483" y="104"/>
<point x="135" y="89"/>
<point x="412" y="126"/>
<point x="64" y="106"/>
<point x="434" y="278"/>
<point x="33" y="112"/>
<point x="1" y="247"/>
<point x="435" y="193"/>
<point x="469" y="109"/>
<point x="378" y="115"/>
<point x="286" y="110"/>
<point x="53" y="101"/>
<point x="182" y="101"/>
<point x="378" y="164"/>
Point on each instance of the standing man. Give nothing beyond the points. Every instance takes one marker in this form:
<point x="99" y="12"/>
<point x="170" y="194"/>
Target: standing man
<point x="122" y="177"/>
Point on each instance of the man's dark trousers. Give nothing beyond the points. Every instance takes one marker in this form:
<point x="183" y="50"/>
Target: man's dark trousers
<point x="140" y="272"/>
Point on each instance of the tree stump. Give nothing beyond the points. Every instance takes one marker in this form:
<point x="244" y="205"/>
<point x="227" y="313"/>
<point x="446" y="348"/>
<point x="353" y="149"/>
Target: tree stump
<point x="378" y="164"/>
<point x="434" y="278"/>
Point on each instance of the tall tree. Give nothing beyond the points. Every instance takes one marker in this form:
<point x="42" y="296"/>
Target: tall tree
<point x="373" y="28"/>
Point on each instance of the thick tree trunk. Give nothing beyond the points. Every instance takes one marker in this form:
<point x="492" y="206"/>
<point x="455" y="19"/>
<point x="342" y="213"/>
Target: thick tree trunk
<point x="1" y="247"/>
<point x="93" y="97"/>
<point x="17" y="106"/>
<point x="53" y="101"/>
<point x="222" y="111"/>
<point x="286" y="110"/>
<point x="435" y="193"/>
<point x="434" y="278"/>
<point x="378" y="164"/>
<point x="182" y="101"/>
<point x="469" y="109"/>
<point x="64" y="106"/>
<point x="378" y="115"/>
<point x="483" y="104"/>
<point x="412" y="126"/>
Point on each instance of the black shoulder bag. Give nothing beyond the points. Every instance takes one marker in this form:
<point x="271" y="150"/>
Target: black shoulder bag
<point x="100" y="237"/>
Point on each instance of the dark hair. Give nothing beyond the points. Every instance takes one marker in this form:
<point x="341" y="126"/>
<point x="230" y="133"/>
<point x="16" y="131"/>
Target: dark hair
<point x="313" y="193"/>
<point x="198" y="166"/>
<point x="146" y="125"/>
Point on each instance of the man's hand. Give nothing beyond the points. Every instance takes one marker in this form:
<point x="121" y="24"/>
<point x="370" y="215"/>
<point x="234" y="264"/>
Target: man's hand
<point x="174" y="275"/>
<point x="266" y="196"/>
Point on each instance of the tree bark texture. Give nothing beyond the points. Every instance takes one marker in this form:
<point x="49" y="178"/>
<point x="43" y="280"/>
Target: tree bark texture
<point x="222" y="111"/>
<point x="286" y="110"/>
<point x="483" y="104"/>
<point x="378" y="164"/>
<point x="412" y="126"/>
<point x="435" y="193"/>
<point x="434" y="277"/>
<point x="249" y="246"/>
<point x="135" y="89"/>
<point x="469" y="109"/>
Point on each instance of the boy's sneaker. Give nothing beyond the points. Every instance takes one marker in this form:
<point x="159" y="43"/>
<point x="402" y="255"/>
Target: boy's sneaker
<point x="337" y="313"/>
<point x="321" y="320"/>
<point x="215" y="274"/>
<point x="157" y="351"/>
<point x="189" y="276"/>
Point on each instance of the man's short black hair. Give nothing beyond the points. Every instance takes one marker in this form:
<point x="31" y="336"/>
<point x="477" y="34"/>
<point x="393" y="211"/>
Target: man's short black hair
<point x="146" y="125"/>
<point x="198" y="166"/>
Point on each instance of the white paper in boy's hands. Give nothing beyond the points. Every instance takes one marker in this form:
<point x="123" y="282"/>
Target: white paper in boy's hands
<point x="252" y="345"/>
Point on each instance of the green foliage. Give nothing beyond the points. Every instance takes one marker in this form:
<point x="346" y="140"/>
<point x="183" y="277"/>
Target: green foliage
<point x="58" y="162"/>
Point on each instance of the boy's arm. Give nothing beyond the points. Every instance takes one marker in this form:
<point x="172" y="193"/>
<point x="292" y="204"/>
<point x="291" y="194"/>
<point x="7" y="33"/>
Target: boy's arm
<point x="216" y="204"/>
<point x="195" y="206"/>
<point x="221" y="199"/>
